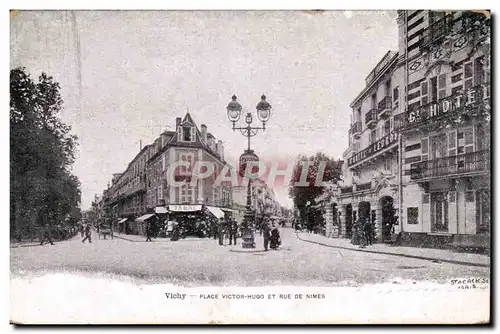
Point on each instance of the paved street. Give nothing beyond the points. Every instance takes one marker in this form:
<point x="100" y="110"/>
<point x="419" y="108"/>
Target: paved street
<point x="203" y="261"/>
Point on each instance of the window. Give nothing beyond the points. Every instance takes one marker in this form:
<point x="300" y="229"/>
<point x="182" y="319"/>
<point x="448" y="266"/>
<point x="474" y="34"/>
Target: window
<point x="188" y="134"/>
<point x="433" y="89"/>
<point x="189" y="158"/>
<point x="373" y="136"/>
<point x="388" y="164"/>
<point x="425" y="148"/>
<point x="442" y="86"/>
<point x="412" y="214"/>
<point x="424" y="96"/>
<point x="387" y="88"/>
<point x="387" y="127"/>
<point x="374" y="101"/>
<point x="395" y="94"/>
<point x="186" y="193"/>
<point x="479" y="71"/>
<point x="468" y="76"/>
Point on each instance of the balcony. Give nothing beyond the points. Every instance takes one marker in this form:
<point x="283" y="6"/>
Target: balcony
<point x="471" y="103"/>
<point x="468" y="163"/>
<point x="346" y="190"/>
<point x="385" y="107"/>
<point x="371" y="118"/>
<point x="364" y="186"/>
<point x="373" y="149"/>
<point x="436" y="32"/>
<point x="356" y="129"/>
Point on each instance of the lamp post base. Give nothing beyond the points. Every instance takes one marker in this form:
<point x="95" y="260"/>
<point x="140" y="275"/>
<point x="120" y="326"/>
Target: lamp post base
<point x="247" y="236"/>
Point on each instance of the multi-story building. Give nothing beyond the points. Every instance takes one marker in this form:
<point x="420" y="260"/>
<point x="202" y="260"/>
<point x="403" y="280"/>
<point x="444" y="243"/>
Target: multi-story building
<point x="144" y="185"/>
<point x="263" y="200"/>
<point x="190" y="144"/>
<point x="445" y="129"/>
<point x="371" y="180"/>
<point x="419" y="141"/>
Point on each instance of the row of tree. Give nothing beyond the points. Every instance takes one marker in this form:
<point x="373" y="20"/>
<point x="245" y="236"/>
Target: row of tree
<point x="42" y="152"/>
<point x="318" y="171"/>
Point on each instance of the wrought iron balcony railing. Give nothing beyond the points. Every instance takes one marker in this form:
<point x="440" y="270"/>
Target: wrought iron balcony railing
<point x="371" y="150"/>
<point x="436" y="31"/>
<point x="371" y="117"/>
<point x="384" y="106"/>
<point x="356" y="128"/>
<point x="364" y="186"/>
<point x="458" y="164"/>
<point x="346" y="190"/>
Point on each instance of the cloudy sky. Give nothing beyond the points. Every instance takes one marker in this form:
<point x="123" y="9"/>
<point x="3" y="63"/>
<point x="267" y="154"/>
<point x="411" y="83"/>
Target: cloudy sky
<point x="126" y="75"/>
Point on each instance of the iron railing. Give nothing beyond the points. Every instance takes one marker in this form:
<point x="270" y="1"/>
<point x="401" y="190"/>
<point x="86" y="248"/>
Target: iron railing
<point x="364" y="186"/>
<point x="370" y="116"/>
<point x="346" y="190"/>
<point x="478" y="161"/>
<point x="356" y="127"/>
<point x="384" y="104"/>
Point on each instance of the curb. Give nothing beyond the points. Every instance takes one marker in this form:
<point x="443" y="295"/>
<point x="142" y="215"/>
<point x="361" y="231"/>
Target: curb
<point x="396" y="254"/>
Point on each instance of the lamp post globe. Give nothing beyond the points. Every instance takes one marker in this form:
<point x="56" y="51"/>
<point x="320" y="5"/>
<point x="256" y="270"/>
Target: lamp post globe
<point x="263" y="110"/>
<point x="234" y="109"/>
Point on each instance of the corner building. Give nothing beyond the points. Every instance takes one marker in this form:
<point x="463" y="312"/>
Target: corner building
<point x="371" y="178"/>
<point x="444" y="127"/>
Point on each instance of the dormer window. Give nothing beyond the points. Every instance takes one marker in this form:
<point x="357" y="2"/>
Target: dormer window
<point x="187" y="134"/>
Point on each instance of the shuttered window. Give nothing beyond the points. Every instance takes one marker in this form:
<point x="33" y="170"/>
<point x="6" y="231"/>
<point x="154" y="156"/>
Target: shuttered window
<point x="424" y="96"/>
<point x="442" y="86"/>
<point x="468" y="76"/>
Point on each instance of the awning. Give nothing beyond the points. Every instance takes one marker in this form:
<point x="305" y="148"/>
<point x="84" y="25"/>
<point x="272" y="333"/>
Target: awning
<point x="161" y="209"/>
<point x="122" y="221"/>
<point x="184" y="208"/>
<point x="143" y="218"/>
<point x="227" y="210"/>
<point x="216" y="211"/>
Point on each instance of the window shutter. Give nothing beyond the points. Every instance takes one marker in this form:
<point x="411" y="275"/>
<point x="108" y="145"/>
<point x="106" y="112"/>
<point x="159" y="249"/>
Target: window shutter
<point x="193" y="134"/>
<point x="468" y="76"/>
<point x="452" y="143"/>
<point x="424" y="93"/>
<point x="442" y="86"/>
<point x="424" y="142"/>
<point x="179" y="133"/>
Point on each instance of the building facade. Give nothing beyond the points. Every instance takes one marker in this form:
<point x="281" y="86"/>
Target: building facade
<point x="370" y="171"/>
<point x="418" y="159"/>
<point x="445" y="128"/>
<point x="144" y="185"/>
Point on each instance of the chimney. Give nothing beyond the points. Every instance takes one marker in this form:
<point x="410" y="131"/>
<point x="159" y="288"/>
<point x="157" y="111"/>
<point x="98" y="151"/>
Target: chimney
<point x="177" y="122"/>
<point x="220" y="149"/>
<point x="204" y="132"/>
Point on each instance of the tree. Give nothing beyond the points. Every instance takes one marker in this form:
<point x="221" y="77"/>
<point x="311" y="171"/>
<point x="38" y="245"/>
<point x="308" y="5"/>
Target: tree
<point x="303" y="195"/>
<point x="42" y="151"/>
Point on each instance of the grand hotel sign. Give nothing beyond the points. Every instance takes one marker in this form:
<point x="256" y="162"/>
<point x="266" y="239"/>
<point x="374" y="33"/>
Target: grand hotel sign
<point x="472" y="98"/>
<point x="374" y="148"/>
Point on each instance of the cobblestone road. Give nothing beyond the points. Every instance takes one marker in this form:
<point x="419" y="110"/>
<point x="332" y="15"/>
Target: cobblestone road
<point x="203" y="261"/>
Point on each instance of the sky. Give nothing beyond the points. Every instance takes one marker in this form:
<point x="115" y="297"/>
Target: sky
<point x="126" y="75"/>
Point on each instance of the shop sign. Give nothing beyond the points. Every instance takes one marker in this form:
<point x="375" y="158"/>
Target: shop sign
<point x="184" y="208"/>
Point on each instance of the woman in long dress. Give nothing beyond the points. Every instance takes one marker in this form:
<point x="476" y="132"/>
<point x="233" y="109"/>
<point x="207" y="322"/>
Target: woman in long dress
<point x="275" y="240"/>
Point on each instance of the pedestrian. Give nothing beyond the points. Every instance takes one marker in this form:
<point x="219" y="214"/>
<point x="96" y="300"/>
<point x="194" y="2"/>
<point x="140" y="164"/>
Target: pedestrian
<point x="275" y="240"/>
<point x="369" y="232"/>
<point x="88" y="234"/>
<point x="362" y="232"/>
<point x="266" y="233"/>
<point x="46" y="234"/>
<point x="81" y="230"/>
<point x="233" y="232"/>
<point x="221" y="231"/>
<point x="149" y="231"/>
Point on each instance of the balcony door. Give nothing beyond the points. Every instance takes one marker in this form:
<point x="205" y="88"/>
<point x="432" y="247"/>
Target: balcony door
<point x="439" y="212"/>
<point x="439" y="151"/>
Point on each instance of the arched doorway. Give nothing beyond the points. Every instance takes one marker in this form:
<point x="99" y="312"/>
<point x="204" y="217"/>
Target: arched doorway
<point x="348" y="221"/>
<point x="388" y="213"/>
<point x="364" y="210"/>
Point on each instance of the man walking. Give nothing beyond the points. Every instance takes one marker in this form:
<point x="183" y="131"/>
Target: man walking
<point x="233" y="232"/>
<point x="46" y="234"/>
<point x="266" y="233"/>
<point x="221" y="231"/>
<point x="88" y="234"/>
<point x="149" y="232"/>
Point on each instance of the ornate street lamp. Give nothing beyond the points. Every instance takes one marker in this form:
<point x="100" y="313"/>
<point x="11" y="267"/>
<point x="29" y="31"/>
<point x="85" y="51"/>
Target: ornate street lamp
<point x="234" y="112"/>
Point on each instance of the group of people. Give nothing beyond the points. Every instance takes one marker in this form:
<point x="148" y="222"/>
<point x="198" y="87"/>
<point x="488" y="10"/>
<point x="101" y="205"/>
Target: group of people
<point x="225" y="228"/>
<point x="363" y="232"/>
<point x="271" y="235"/>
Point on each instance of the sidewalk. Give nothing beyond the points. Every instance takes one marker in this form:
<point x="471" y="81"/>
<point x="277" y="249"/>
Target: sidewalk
<point x="442" y="255"/>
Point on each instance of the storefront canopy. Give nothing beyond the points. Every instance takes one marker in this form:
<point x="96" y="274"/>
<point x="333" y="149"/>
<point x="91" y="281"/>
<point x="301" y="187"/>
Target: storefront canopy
<point x="161" y="209"/>
<point x="184" y="208"/>
<point x="216" y="211"/>
<point x="143" y="218"/>
<point x="122" y="221"/>
<point x="227" y="210"/>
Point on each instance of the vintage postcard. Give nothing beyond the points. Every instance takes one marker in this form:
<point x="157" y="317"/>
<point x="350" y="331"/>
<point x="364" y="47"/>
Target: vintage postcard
<point x="250" y="167"/>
